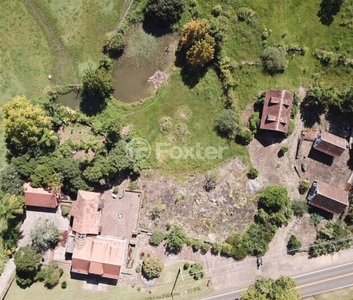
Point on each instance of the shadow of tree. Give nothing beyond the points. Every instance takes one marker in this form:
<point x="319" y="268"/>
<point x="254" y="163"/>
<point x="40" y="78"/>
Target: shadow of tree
<point x="92" y="105"/>
<point x="310" y="113"/>
<point x="328" y="9"/>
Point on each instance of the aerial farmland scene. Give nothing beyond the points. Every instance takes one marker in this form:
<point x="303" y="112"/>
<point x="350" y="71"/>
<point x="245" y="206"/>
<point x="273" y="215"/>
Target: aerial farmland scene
<point x="176" y="149"/>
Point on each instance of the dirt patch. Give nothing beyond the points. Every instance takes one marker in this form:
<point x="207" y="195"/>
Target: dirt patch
<point x="226" y="209"/>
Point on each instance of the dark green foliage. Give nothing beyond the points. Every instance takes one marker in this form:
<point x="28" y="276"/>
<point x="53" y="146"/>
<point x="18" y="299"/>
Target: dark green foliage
<point x="11" y="181"/>
<point x="303" y="186"/>
<point x="205" y="247"/>
<point x="27" y="261"/>
<point x="63" y="285"/>
<point x="197" y="271"/>
<point x="156" y="238"/>
<point x="330" y="239"/>
<point x="50" y="275"/>
<point x="97" y="87"/>
<point x="252" y="173"/>
<point x="186" y="266"/>
<point x="152" y="267"/>
<point x="227" y="123"/>
<point x="293" y="245"/>
<point x="244" y="137"/>
<point x="176" y="239"/>
<point x="114" y="43"/>
<point x="275" y="202"/>
<point x="196" y="245"/>
<point x="300" y="207"/>
<point x="238" y="250"/>
<point x="245" y="14"/>
<point x="274" y="60"/>
<point x="164" y="12"/>
<point x="254" y="122"/>
<point x="269" y="289"/>
<point x="217" y="10"/>
<point x="328" y="9"/>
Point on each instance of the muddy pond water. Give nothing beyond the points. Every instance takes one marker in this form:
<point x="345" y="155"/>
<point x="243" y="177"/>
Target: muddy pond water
<point x="71" y="99"/>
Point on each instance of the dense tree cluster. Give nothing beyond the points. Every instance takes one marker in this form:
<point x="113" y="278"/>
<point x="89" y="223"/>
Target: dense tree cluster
<point x="269" y="289"/>
<point x="164" y="12"/>
<point x="152" y="267"/>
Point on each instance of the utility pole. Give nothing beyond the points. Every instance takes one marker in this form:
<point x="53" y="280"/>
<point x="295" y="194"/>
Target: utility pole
<point x="175" y="282"/>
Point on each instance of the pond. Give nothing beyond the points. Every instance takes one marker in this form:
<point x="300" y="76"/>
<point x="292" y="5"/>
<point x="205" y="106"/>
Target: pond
<point x="144" y="54"/>
<point x="71" y="99"/>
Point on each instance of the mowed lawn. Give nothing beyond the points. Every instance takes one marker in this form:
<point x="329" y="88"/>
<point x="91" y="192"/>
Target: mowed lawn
<point x="188" y="289"/>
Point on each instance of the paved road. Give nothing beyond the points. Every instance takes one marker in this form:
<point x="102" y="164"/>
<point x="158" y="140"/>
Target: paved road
<point x="312" y="283"/>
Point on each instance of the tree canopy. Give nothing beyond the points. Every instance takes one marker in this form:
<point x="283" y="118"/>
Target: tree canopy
<point x="164" y="12"/>
<point x="44" y="234"/>
<point x="152" y="267"/>
<point x="198" y="42"/>
<point x="274" y="60"/>
<point x="176" y="239"/>
<point x="269" y="289"/>
<point x="26" y="126"/>
<point x="227" y="123"/>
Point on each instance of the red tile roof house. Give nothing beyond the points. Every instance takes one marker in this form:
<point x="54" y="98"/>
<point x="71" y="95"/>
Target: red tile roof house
<point x="330" y="144"/>
<point x="99" y="256"/>
<point x="93" y="254"/>
<point x="40" y="198"/>
<point x="277" y="110"/>
<point x="328" y="197"/>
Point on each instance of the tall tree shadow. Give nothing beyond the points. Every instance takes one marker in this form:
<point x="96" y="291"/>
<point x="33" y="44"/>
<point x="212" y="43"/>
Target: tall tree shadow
<point x="328" y="9"/>
<point x="92" y="105"/>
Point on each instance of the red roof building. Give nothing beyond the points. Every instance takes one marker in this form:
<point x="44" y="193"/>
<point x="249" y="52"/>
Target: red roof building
<point x="86" y="212"/>
<point x="277" y="110"/>
<point x="99" y="256"/>
<point x="39" y="197"/>
<point x="328" y="197"/>
<point x="330" y="144"/>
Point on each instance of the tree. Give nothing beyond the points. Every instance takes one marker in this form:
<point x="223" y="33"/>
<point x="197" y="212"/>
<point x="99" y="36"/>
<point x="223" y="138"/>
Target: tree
<point x="44" y="175"/>
<point x="114" y="43"/>
<point x="44" y="234"/>
<point x="227" y="123"/>
<point x="11" y="181"/>
<point x="197" y="271"/>
<point x="25" y="125"/>
<point x="11" y="207"/>
<point x="300" y="207"/>
<point x="50" y="275"/>
<point x="156" y="238"/>
<point x="152" y="267"/>
<point x="164" y="12"/>
<point x="269" y="289"/>
<point x="97" y="87"/>
<point x="274" y="60"/>
<point x="293" y="245"/>
<point x="328" y="9"/>
<point x="176" y="239"/>
<point x="27" y="261"/>
<point x="275" y="202"/>
<point x="198" y="42"/>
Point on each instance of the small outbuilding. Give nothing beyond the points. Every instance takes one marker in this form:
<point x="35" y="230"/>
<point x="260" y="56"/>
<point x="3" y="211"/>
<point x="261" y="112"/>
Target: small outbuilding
<point x="328" y="197"/>
<point x="40" y="198"/>
<point x="276" y="112"/>
<point x="330" y="144"/>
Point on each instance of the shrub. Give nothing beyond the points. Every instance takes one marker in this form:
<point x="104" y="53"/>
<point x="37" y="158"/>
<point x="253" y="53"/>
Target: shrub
<point x="303" y="186"/>
<point x="300" y="207"/>
<point x="245" y="14"/>
<point x="216" y="248"/>
<point x="316" y="219"/>
<point x="244" y="137"/>
<point x="152" y="267"/>
<point x="217" y="10"/>
<point x="65" y="210"/>
<point x="186" y="266"/>
<point x="197" y="271"/>
<point x="176" y="239"/>
<point x="156" y="238"/>
<point x="253" y="173"/>
<point x="293" y="245"/>
<point x="205" y="247"/>
<point x="254" y="122"/>
<point x="133" y="186"/>
<point x="274" y="60"/>
<point x="63" y="285"/>
<point x="227" y="123"/>
<point x="196" y="245"/>
<point x="138" y="269"/>
<point x="291" y="128"/>
<point x="164" y="12"/>
<point x="114" y="43"/>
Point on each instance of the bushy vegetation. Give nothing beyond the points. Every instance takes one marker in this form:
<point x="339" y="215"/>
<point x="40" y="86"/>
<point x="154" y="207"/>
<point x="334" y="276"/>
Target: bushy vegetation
<point x="44" y="235"/>
<point x="196" y="271"/>
<point x="50" y="274"/>
<point x="300" y="207"/>
<point x="176" y="239"/>
<point x="268" y="288"/>
<point x="227" y="123"/>
<point x="114" y="43"/>
<point x="330" y="239"/>
<point x="164" y="12"/>
<point x="152" y="267"/>
<point x="303" y="186"/>
<point x="157" y="238"/>
<point x="293" y="245"/>
<point x="252" y="173"/>
<point x="274" y="60"/>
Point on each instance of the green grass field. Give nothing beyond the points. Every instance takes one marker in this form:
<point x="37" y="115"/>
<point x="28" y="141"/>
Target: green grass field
<point x="74" y="289"/>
